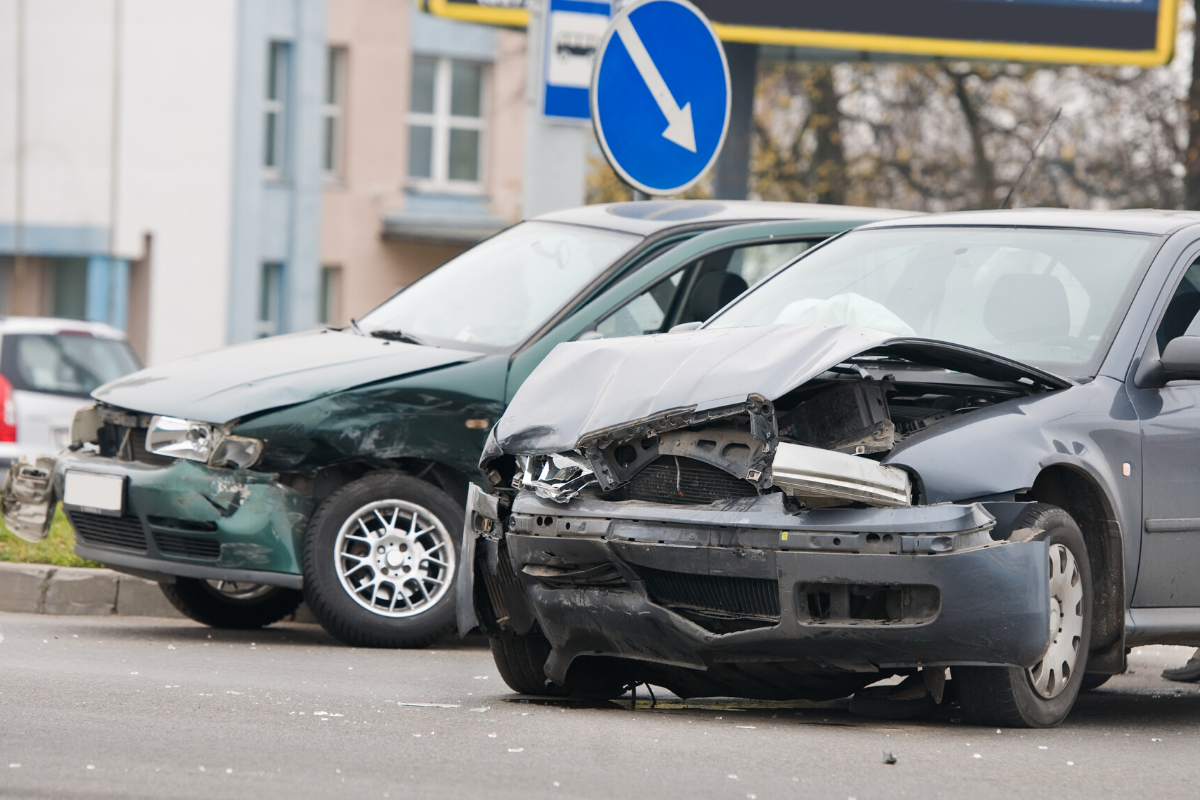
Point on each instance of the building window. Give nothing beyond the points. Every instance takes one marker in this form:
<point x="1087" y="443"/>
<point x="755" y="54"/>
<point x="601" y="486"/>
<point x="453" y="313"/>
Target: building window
<point x="275" y="108"/>
<point x="446" y="124"/>
<point x="270" y="299"/>
<point x="329" y="312"/>
<point x="333" y="113"/>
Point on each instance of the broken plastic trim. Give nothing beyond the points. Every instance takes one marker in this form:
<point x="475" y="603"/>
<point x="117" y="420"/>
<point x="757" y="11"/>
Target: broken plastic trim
<point x="555" y="477"/>
<point x="813" y="472"/>
<point x="28" y="498"/>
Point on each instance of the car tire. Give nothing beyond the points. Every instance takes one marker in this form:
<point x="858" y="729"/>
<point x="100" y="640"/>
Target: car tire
<point x="221" y="604"/>
<point x="521" y="661"/>
<point x="1007" y="696"/>
<point x="382" y="539"/>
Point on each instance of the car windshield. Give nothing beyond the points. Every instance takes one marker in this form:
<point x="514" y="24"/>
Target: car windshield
<point x="71" y="364"/>
<point x="499" y="292"/>
<point x="1051" y="298"/>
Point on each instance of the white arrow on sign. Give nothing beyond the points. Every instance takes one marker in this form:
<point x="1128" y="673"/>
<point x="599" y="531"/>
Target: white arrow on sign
<point x="679" y="120"/>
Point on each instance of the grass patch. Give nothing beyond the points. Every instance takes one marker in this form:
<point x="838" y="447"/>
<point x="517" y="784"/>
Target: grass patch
<point x="58" y="548"/>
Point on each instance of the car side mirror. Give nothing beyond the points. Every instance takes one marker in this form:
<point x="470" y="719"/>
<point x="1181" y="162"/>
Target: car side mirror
<point x="685" y="327"/>
<point x="1181" y="359"/>
<point x="589" y="336"/>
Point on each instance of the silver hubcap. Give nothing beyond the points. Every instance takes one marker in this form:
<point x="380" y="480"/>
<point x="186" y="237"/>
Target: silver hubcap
<point x="240" y="590"/>
<point x="1051" y="675"/>
<point x="394" y="558"/>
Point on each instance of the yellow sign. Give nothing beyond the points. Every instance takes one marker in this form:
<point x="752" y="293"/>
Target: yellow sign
<point x="1138" y="32"/>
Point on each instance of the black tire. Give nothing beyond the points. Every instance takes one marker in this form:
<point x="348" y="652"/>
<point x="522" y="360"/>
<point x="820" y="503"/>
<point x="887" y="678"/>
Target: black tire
<point x="202" y="602"/>
<point x="331" y="602"/>
<point x="1005" y="696"/>
<point x="521" y="661"/>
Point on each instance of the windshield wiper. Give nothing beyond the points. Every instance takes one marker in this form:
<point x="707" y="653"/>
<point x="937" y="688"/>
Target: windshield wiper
<point x="396" y="336"/>
<point x="354" y="327"/>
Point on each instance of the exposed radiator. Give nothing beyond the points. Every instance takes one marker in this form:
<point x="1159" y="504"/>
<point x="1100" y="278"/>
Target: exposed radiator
<point x="683" y="481"/>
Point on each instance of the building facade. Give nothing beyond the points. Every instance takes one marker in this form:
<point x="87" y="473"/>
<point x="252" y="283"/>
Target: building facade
<point x="204" y="172"/>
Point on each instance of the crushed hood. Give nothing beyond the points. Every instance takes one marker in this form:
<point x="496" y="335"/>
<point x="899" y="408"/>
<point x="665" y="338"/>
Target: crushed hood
<point x="223" y="385"/>
<point x="587" y="386"/>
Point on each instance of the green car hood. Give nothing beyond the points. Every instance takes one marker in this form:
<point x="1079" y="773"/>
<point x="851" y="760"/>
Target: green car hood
<point x="224" y="385"/>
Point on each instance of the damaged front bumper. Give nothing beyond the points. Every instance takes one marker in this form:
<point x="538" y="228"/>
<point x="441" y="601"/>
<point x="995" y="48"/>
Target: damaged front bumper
<point x="186" y="519"/>
<point x="743" y="582"/>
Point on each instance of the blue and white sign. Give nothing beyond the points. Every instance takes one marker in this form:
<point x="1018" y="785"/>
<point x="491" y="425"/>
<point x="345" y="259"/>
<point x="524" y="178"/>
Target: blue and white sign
<point x="574" y="30"/>
<point x="660" y="95"/>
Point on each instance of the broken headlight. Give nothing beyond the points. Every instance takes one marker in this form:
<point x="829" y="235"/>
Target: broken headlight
<point x="556" y="477"/>
<point x="199" y="441"/>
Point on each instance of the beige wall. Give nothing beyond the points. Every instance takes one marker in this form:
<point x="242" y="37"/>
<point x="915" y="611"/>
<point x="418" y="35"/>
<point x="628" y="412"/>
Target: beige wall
<point x="507" y="125"/>
<point x="377" y="76"/>
<point x="376" y="35"/>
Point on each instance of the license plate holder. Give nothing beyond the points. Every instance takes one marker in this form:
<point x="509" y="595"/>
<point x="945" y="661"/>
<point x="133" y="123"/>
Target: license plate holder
<point x="94" y="492"/>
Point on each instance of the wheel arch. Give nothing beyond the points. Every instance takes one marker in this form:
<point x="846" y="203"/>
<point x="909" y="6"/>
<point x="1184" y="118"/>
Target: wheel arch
<point x="1079" y="494"/>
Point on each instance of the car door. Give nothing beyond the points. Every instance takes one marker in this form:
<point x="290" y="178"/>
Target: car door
<point x="1169" y="568"/>
<point x="675" y="266"/>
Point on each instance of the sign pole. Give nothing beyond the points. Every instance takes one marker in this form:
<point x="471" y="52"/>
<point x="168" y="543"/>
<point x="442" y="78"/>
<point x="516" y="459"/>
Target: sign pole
<point x="554" y="169"/>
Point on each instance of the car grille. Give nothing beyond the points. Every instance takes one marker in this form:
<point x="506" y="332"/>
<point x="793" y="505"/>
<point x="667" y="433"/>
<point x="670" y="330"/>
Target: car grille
<point x="683" y="481"/>
<point x="122" y="532"/>
<point x="172" y="544"/>
<point x="756" y="598"/>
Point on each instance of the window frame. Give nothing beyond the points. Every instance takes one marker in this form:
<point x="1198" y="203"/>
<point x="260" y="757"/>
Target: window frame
<point x="275" y="107"/>
<point x="333" y="114"/>
<point x="270" y="300"/>
<point x="442" y="122"/>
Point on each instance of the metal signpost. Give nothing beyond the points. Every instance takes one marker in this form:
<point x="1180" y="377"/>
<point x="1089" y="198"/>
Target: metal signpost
<point x="660" y="95"/>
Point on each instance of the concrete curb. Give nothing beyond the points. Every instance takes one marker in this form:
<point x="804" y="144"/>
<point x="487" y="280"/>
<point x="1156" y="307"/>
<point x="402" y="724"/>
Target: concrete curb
<point x="46" y="589"/>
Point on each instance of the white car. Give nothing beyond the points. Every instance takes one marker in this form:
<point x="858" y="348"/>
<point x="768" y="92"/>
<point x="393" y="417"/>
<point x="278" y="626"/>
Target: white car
<point x="48" y="369"/>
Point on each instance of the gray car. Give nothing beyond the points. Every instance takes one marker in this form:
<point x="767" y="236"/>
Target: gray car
<point x="965" y="441"/>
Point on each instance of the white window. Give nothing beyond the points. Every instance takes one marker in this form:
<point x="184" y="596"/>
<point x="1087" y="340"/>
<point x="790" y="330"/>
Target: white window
<point x="270" y="299"/>
<point x="333" y="113"/>
<point x="446" y="124"/>
<point x="275" y="109"/>
<point x="329" y="312"/>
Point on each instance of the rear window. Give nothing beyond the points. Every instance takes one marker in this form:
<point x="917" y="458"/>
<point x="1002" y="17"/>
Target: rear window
<point x="69" y="364"/>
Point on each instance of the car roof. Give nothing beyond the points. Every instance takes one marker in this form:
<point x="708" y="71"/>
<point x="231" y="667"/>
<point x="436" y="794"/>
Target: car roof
<point x="55" y="325"/>
<point x="651" y="216"/>
<point x="1143" y="220"/>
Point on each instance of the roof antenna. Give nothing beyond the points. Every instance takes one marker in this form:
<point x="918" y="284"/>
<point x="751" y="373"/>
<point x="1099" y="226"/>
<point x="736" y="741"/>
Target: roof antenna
<point x="1032" y="156"/>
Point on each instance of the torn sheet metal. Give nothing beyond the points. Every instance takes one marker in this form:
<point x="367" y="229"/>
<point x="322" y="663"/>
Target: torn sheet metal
<point x="614" y="381"/>
<point x="812" y="472"/>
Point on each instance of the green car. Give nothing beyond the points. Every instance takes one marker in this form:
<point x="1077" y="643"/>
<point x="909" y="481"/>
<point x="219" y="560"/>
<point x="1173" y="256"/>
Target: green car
<point x="333" y="465"/>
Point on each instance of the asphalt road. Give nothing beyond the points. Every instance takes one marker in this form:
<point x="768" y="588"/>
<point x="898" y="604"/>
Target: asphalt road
<point x="125" y="707"/>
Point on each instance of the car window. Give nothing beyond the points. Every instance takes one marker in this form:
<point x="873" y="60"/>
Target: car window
<point x="1182" y="317"/>
<point x="71" y="364"/>
<point x="501" y="290"/>
<point x="1048" y="297"/>
<point x="645" y="313"/>
<point x="699" y="290"/>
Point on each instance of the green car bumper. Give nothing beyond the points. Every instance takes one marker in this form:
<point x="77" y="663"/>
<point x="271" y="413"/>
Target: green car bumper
<point x="186" y="519"/>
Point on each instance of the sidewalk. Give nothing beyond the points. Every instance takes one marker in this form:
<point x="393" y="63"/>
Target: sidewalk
<point x="46" y="589"/>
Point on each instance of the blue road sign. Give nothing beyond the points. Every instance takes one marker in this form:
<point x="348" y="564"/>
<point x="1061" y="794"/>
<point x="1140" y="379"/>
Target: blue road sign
<point x="660" y="95"/>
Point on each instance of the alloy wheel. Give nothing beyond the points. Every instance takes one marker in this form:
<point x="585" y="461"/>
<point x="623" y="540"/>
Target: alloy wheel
<point x="394" y="558"/>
